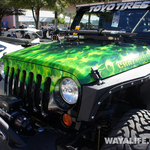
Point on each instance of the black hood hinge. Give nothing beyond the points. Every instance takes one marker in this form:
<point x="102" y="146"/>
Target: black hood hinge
<point x="96" y="75"/>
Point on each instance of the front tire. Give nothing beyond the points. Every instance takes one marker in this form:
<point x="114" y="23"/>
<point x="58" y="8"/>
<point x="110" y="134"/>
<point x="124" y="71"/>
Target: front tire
<point x="27" y="36"/>
<point x="8" y="35"/>
<point x="133" y="125"/>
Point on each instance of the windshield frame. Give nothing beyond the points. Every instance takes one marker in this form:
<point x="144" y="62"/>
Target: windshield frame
<point x="109" y="26"/>
<point x="112" y="7"/>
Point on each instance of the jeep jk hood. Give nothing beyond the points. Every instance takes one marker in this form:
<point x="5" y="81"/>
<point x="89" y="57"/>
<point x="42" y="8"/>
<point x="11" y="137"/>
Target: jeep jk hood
<point x="78" y="59"/>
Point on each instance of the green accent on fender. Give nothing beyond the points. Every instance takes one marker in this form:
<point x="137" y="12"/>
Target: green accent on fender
<point x="57" y="60"/>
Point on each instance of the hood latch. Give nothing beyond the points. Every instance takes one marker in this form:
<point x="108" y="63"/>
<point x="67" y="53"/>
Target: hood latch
<point x="96" y="75"/>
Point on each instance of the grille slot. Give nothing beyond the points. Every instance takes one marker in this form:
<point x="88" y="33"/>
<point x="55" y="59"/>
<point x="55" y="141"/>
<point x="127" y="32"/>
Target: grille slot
<point x="16" y="83"/>
<point x="6" y="80"/>
<point x="11" y="81"/>
<point x="22" y="93"/>
<point x="30" y="92"/>
<point x="38" y="93"/>
<point x="46" y="95"/>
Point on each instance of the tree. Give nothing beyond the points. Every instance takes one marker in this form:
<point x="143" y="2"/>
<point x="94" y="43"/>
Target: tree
<point x="60" y="20"/>
<point x="10" y="7"/>
<point x="37" y="5"/>
<point x="74" y="2"/>
<point x="7" y="9"/>
<point x="70" y="15"/>
<point x="55" y="5"/>
<point x="16" y="5"/>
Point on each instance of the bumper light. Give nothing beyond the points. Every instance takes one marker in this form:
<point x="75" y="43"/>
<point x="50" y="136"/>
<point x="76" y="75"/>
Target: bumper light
<point x="69" y="91"/>
<point x="67" y="120"/>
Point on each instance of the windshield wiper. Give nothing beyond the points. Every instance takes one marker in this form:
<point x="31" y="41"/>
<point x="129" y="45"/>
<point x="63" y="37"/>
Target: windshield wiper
<point x="139" y="21"/>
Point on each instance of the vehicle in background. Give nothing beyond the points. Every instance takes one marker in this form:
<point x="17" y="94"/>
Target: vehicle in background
<point x="31" y="26"/>
<point x="48" y="26"/>
<point x="6" y="48"/>
<point x="62" y="29"/>
<point x="30" y="33"/>
<point x="9" y="45"/>
<point x="24" y="25"/>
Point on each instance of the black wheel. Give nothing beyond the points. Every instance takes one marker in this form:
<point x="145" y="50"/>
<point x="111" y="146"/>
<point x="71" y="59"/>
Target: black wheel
<point x="27" y="36"/>
<point x="54" y="37"/>
<point x="8" y="35"/>
<point x="131" y="133"/>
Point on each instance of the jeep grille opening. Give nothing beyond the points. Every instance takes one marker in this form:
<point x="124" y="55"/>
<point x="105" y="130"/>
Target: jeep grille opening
<point x="26" y="88"/>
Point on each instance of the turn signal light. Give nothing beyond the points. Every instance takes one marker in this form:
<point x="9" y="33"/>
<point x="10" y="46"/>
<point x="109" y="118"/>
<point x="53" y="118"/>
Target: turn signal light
<point x="67" y="120"/>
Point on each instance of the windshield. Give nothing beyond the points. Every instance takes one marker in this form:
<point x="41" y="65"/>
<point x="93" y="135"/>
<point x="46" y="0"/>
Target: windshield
<point x="122" y="20"/>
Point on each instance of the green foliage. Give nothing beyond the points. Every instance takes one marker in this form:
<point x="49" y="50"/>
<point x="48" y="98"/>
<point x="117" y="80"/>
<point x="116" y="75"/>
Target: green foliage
<point x="7" y="8"/>
<point x="60" y="20"/>
<point x="60" y="5"/>
<point x="75" y="2"/>
<point x="37" y="5"/>
<point x="71" y="15"/>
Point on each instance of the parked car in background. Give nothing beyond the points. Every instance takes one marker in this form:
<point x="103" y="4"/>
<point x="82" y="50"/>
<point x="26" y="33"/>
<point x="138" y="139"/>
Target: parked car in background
<point x="30" y="33"/>
<point x="31" y="26"/>
<point x="48" y="26"/>
<point x="62" y="29"/>
<point x="6" y="48"/>
<point x="9" y="45"/>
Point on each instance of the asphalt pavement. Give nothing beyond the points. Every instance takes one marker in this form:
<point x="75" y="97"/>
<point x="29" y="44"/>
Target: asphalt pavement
<point x="41" y="141"/>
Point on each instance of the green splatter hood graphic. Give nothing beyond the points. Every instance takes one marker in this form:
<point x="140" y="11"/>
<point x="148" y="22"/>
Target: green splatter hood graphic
<point x="77" y="59"/>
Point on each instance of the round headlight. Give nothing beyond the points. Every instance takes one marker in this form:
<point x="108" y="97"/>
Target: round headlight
<point x="69" y="91"/>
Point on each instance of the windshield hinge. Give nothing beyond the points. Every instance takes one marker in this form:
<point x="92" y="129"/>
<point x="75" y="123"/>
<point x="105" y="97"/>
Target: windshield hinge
<point x="96" y="75"/>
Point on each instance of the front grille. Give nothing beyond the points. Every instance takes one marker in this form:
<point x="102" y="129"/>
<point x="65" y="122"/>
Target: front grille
<point x="19" y="84"/>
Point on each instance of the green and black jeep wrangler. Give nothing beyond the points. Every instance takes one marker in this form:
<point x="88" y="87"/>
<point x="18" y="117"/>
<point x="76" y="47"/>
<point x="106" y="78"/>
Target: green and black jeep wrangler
<point x="91" y="89"/>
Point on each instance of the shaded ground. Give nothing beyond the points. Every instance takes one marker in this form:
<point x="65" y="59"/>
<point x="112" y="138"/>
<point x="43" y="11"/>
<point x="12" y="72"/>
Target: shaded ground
<point x="41" y="141"/>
